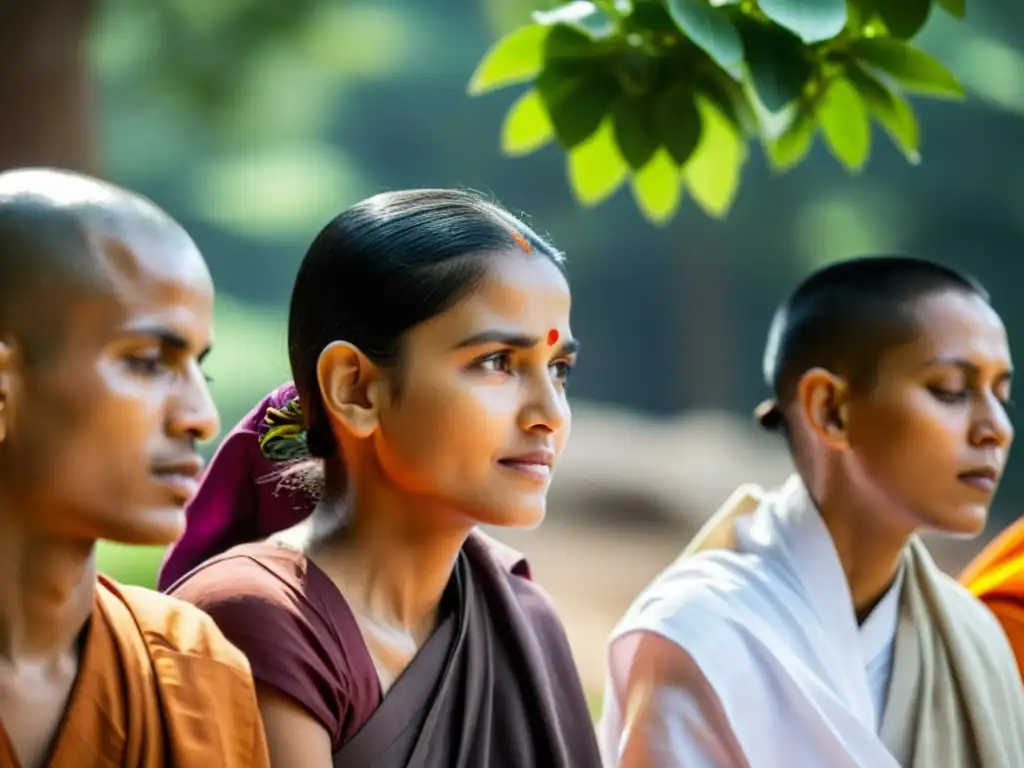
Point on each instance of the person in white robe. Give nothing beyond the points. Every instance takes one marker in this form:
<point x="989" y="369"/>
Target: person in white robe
<point x="795" y="633"/>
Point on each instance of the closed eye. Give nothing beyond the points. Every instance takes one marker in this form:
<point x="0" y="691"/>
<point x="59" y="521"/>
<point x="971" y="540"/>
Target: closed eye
<point x="949" y="395"/>
<point x="145" y="364"/>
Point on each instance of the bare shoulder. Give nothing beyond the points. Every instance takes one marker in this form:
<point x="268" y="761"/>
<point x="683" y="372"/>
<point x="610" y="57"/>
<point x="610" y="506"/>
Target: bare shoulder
<point x="294" y="737"/>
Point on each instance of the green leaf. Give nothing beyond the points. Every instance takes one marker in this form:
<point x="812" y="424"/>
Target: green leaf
<point x="793" y="145"/>
<point x="582" y="15"/>
<point x="911" y="67"/>
<point x="732" y="99"/>
<point x="634" y="130"/>
<point x="903" y="18"/>
<point x="845" y="124"/>
<point x="515" y="58"/>
<point x="812" y="20"/>
<point x="713" y="172"/>
<point x="955" y="7"/>
<point x="595" y="167"/>
<point x="711" y="30"/>
<point x="658" y="188"/>
<point x="678" y="123"/>
<point x="565" y="44"/>
<point x="637" y="72"/>
<point x="527" y="126"/>
<point x="891" y="110"/>
<point x="777" y="63"/>
<point x="576" y="103"/>
<point x="652" y="18"/>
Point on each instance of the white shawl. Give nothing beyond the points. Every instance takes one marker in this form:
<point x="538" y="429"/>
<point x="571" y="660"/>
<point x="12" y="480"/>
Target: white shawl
<point x="780" y="651"/>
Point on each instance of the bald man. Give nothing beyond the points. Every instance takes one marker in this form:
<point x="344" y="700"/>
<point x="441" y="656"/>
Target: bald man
<point x="105" y="317"/>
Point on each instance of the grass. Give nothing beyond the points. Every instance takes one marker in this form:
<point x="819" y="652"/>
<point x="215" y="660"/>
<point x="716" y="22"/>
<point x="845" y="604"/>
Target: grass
<point x="129" y="564"/>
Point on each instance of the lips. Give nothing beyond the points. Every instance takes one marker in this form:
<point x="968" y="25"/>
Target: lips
<point x="180" y="475"/>
<point x="536" y="465"/>
<point x="984" y="479"/>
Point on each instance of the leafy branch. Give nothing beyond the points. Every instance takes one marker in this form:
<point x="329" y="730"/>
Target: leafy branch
<point x="668" y="95"/>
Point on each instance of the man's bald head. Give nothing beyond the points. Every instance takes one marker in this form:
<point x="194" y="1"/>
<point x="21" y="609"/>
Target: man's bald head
<point x="106" y="316"/>
<point x="64" y="238"/>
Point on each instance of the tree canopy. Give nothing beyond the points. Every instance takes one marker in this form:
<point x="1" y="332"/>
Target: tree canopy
<point x="669" y="95"/>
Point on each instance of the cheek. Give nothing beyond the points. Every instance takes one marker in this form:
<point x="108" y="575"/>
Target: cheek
<point x="446" y="433"/>
<point x="910" y="441"/>
<point x="111" y="452"/>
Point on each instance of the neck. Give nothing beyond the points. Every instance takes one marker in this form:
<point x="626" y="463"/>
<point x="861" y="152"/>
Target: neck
<point x="870" y="551"/>
<point x="395" y="556"/>
<point x="47" y="588"/>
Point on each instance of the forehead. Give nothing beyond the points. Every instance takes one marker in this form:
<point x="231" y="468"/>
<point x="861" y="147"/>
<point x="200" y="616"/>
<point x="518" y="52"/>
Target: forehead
<point x="519" y="291"/>
<point x="154" y="272"/>
<point x="955" y="325"/>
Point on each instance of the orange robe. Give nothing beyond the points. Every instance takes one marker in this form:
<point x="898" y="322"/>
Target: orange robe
<point x="158" y="687"/>
<point x="996" y="576"/>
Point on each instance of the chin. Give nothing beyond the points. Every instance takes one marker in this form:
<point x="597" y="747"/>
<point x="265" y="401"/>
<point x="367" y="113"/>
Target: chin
<point x="525" y="518"/>
<point x="963" y="523"/>
<point x="154" y="526"/>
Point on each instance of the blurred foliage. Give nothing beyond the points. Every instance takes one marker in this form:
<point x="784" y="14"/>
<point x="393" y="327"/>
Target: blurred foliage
<point x="129" y="564"/>
<point x="667" y="94"/>
<point x="238" y="92"/>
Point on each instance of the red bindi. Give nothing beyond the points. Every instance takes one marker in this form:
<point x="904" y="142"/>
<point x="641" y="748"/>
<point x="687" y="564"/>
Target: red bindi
<point x="522" y="242"/>
<point x="552" y="337"/>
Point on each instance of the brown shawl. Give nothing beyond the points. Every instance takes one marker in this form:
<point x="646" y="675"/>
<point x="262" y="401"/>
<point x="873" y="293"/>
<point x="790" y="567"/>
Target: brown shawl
<point x="494" y="686"/>
<point x="158" y="687"/>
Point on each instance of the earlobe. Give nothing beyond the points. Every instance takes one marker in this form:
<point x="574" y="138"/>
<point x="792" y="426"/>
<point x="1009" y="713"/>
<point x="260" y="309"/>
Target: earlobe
<point x="345" y="376"/>
<point x="822" y="397"/>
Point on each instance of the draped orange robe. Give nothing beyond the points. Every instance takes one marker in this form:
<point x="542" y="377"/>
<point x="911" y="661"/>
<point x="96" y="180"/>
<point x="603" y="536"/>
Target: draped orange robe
<point x="996" y="577"/>
<point x="158" y="687"/>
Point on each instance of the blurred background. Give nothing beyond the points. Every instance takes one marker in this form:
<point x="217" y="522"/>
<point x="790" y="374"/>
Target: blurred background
<point x="253" y="122"/>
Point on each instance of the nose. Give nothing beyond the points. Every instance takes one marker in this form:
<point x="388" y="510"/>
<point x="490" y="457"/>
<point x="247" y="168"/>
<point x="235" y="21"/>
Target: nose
<point x="545" y="408"/>
<point x="192" y="412"/>
<point x="992" y="426"/>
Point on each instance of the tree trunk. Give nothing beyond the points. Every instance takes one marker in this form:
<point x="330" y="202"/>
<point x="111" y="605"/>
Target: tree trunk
<point x="45" y="90"/>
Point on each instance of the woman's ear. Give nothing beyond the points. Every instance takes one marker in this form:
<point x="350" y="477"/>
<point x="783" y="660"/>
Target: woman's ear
<point x="823" y="401"/>
<point x="347" y="380"/>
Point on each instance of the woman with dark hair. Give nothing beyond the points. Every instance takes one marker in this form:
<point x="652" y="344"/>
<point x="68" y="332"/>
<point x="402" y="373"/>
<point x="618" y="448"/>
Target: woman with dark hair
<point x="430" y="346"/>
<point x="808" y="626"/>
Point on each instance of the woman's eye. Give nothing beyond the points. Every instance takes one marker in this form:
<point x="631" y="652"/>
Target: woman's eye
<point x="562" y="370"/>
<point x="500" y="362"/>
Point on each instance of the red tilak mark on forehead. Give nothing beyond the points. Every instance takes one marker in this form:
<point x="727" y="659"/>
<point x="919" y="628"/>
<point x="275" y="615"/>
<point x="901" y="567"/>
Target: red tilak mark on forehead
<point x="522" y="242"/>
<point x="552" y="337"/>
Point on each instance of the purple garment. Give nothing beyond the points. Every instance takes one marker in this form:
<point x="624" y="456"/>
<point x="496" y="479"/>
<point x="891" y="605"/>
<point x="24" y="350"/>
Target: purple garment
<point x="239" y="499"/>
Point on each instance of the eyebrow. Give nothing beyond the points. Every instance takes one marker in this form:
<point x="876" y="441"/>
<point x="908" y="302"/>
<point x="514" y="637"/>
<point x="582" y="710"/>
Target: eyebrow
<point x="170" y="339"/>
<point x="515" y="340"/>
<point x="965" y="365"/>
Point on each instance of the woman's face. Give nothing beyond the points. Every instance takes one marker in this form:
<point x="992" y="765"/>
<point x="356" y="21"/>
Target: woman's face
<point x="933" y="434"/>
<point x="481" y="417"/>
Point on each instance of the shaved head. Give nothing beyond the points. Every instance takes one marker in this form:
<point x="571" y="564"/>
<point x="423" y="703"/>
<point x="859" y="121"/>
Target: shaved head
<point x="106" y="316"/>
<point x="65" y="238"/>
